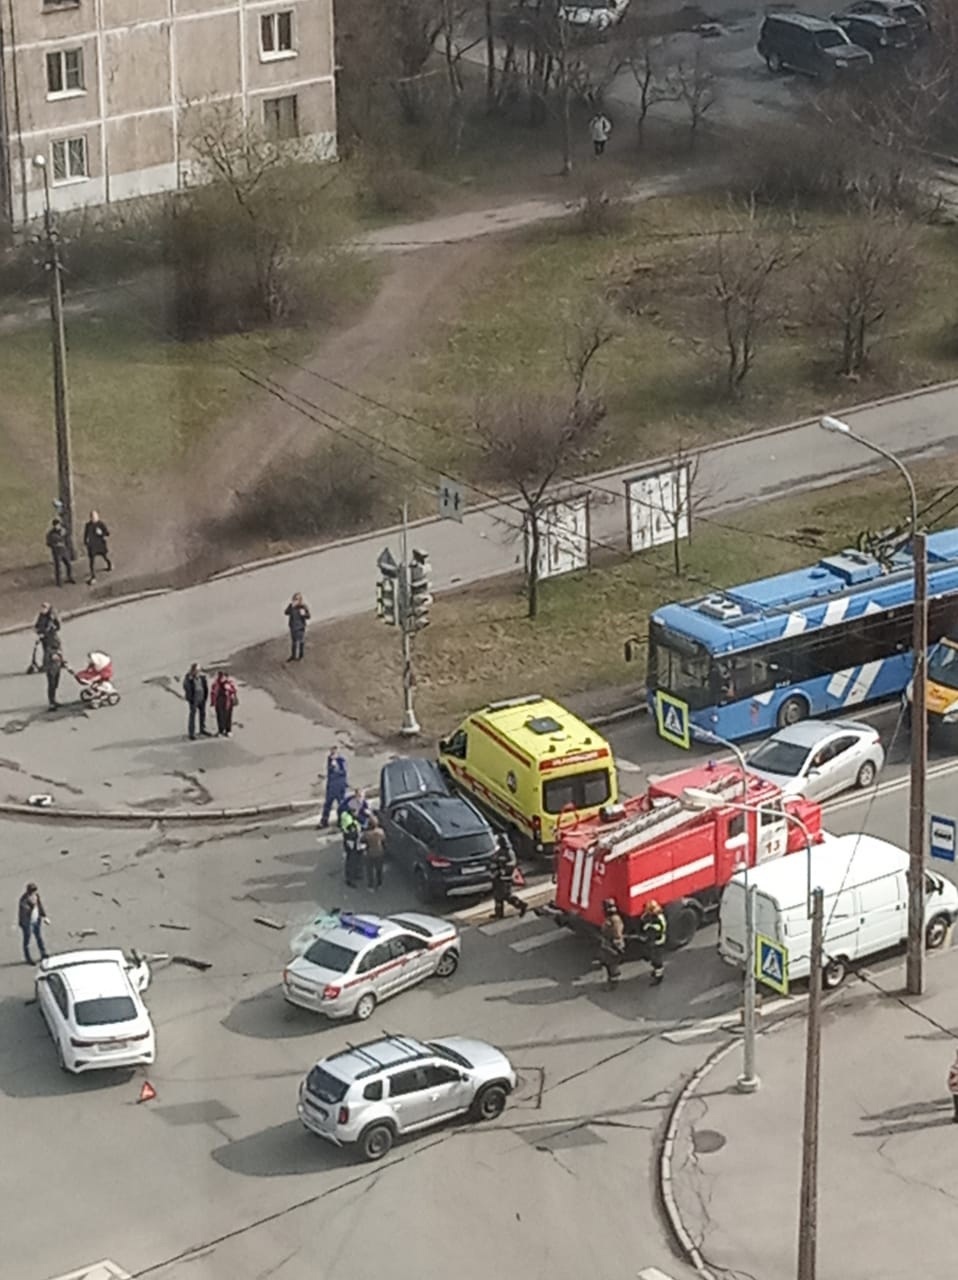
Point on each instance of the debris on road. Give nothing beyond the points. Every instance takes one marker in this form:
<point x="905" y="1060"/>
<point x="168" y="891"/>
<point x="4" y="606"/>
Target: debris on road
<point x="170" y="924"/>
<point x="268" y="922"/>
<point x="40" y="801"/>
<point x="190" y="963"/>
<point x="83" y="933"/>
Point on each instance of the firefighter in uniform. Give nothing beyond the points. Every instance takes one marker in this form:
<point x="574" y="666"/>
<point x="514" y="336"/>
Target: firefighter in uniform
<point x="611" y="942"/>
<point x="652" y="933"/>
<point x="504" y="864"/>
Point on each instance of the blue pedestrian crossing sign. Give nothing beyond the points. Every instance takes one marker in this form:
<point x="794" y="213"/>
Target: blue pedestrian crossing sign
<point x="771" y="964"/>
<point x="943" y="838"/>
<point x="672" y="720"/>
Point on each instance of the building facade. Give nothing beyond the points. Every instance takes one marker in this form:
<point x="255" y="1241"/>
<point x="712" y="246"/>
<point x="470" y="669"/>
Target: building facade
<point x="103" y="90"/>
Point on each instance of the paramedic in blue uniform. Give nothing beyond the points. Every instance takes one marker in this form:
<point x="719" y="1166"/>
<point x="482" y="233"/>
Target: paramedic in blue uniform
<point x="336" y="784"/>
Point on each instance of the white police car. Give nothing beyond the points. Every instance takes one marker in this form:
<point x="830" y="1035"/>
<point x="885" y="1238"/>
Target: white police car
<point x="346" y="963"/>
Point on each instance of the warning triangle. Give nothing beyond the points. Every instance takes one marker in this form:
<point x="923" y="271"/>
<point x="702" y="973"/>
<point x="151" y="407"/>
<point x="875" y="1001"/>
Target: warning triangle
<point x="147" y="1092"/>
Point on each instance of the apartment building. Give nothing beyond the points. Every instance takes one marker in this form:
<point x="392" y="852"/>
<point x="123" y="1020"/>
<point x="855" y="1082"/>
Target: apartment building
<point x="104" y="90"/>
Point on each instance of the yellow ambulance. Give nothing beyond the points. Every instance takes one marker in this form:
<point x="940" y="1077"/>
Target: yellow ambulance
<point x="530" y="764"/>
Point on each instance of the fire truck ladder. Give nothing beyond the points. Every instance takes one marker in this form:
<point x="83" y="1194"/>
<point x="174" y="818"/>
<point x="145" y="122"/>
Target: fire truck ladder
<point x="659" y="820"/>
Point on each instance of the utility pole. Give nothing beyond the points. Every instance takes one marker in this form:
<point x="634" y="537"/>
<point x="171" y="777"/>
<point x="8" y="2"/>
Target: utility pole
<point x="58" y="339"/>
<point x="808" y="1203"/>
<point x="915" y="960"/>
<point x="748" y="1081"/>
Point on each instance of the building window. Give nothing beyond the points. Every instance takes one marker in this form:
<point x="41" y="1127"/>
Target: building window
<point x="281" y="118"/>
<point x="69" y="159"/>
<point x="64" y="72"/>
<point x="276" y="34"/>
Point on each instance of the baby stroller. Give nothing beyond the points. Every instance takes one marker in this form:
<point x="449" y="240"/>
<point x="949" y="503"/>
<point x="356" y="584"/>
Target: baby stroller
<point x="96" y="681"/>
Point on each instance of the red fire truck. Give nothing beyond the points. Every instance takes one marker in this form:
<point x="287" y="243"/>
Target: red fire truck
<point x="657" y="846"/>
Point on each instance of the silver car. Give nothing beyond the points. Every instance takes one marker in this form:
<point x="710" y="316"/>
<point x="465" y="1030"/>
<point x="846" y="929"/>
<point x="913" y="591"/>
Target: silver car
<point x="347" y="964"/>
<point x="371" y="1094"/>
<point x="817" y="760"/>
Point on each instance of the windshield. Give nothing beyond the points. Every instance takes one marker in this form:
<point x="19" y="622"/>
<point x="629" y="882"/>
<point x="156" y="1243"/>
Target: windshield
<point x="445" y="1052"/>
<point x="779" y="757"/>
<point x="679" y="666"/>
<point x="943" y="665"/>
<point x="330" y="955"/>
<point x="325" y="1087"/>
<point x="106" y="1009"/>
<point x="462" y="848"/>
<point x="578" y="790"/>
<point x="829" y="39"/>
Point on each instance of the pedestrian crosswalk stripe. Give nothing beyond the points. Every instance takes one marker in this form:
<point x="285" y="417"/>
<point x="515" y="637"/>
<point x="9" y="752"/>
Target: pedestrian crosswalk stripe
<point x="539" y="940"/>
<point x="105" y="1270"/>
<point x="653" y="1273"/>
<point x="501" y="926"/>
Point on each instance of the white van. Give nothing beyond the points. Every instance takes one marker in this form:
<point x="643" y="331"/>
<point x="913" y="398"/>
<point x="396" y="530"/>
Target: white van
<point x="866" y="904"/>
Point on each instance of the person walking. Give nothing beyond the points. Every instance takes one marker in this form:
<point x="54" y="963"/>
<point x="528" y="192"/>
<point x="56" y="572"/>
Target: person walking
<point x="504" y="871"/>
<point x="375" y="855"/>
<point x="47" y="630"/>
<point x="652" y="934"/>
<point x="53" y="664"/>
<point x="297" y="612"/>
<point x="31" y="917"/>
<point x="336" y="784"/>
<point x="223" y="698"/>
<point x="611" y="943"/>
<point x="600" y="130"/>
<point x="60" y="546"/>
<point x="352" y="847"/>
<point x="196" y="691"/>
<point x="953" y="1087"/>
<point x="95" y="534"/>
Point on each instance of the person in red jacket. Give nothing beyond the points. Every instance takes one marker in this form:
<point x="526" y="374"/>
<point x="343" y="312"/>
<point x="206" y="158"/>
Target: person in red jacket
<point x="223" y="698"/>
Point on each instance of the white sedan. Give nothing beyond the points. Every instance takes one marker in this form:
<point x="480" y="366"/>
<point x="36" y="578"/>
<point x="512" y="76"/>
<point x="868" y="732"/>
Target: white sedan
<point x="91" y="1003"/>
<point x="593" y="15"/>
<point x="817" y="759"/>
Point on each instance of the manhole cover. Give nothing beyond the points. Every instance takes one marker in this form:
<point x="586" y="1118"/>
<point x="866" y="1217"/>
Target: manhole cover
<point x="706" y="1142"/>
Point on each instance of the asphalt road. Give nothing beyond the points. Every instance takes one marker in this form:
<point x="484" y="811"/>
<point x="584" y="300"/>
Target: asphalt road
<point x="217" y="1168"/>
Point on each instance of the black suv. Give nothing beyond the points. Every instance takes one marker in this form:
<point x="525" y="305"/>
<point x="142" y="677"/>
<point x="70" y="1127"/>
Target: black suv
<point x="882" y="36"/>
<point x="440" y="838"/>
<point x="811" y="45"/>
<point x="910" y="12"/>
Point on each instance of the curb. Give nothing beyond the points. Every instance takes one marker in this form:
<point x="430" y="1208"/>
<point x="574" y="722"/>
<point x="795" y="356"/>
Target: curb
<point x="99" y="606"/>
<point x="133" y="816"/>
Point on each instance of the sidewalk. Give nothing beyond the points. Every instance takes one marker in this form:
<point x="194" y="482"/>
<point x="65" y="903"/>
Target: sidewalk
<point x="888" y="1172"/>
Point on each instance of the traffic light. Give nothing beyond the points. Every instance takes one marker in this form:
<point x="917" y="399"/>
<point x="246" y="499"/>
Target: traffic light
<point x="387" y="589"/>
<point x="420" y="598"/>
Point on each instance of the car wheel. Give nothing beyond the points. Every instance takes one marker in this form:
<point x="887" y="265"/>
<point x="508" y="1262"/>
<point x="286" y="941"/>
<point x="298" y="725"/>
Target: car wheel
<point x="833" y="975"/>
<point x="365" y="1007"/>
<point x="866" y="775"/>
<point x="112" y="699"/>
<point x="682" y="923"/>
<point x="490" y="1102"/>
<point x="448" y="964"/>
<point x="376" y="1141"/>
<point x="423" y="891"/>
<point x="936" y="933"/>
<point x="774" y="63"/>
<point x="791" y="711"/>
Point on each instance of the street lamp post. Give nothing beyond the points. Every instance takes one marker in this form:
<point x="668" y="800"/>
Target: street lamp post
<point x="58" y="338"/>
<point x="915" y="958"/>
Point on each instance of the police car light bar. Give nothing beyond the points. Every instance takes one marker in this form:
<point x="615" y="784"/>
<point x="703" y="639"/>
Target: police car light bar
<point x="358" y="925"/>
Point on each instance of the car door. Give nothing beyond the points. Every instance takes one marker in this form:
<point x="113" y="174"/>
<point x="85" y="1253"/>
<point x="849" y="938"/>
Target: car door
<point x="772" y="832"/>
<point x="397" y="835"/>
<point x="842" y="769"/>
<point x="55" y="1006"/>
<point x="410" y="1098"/>
<point x="817" y="771"/>
<point x="450" y="1091"/>
<point x="418" y="959"/>
<point x="383" y="972"/>
<point x="883" y="918"/>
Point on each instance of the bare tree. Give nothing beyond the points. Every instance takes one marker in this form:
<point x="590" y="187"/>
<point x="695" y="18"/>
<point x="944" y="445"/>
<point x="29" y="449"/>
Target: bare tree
<point x="646" y="59"/>
<point x="529" y="438"/>
<point x="695" y="85"/>
<point x="863" y="274"/>
<point x="745" y="263"/>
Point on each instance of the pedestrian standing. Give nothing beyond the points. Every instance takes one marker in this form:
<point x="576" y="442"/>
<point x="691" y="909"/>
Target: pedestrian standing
<point x="352" y="847"/>
<point x="953" y="1087"/>
<point x="600" y="130"/>
<point x="47" y="629"/>
<point x="652" y="934"/>
<point x="504" y="868"/>
<point x="95" y="534"/>
<point x="223" y="698"/>
<point x="196" y="691"/>
<point x="375" y="853"/>
<point x="611" y="943"/>
<point x="31" y="918"/>
<point x="298" y="615"/>
<point x="336" y="784"/>
<point x="53" y="664"/>
<point x="60" y="546"/>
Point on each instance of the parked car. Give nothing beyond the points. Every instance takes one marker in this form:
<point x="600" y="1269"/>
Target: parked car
<point x="371" y="1094"/>
<point x="91" y="1002"/>
<point x="817" y="760"/>
<point x="880" y="34"/>
<point x="907" y="11"/>
<point x="799" y="42"/>
<point x="593" y="15"/>
<point x="351" y="963"/>
<point x="440" y="839"/>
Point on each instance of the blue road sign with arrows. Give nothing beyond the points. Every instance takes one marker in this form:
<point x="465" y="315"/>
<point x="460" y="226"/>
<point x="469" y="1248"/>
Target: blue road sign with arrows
<point x="771" y="964"/>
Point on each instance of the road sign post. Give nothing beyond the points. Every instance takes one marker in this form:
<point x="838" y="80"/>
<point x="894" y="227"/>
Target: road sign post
<point x="943" y="838"/>
<point x="672" y="720"/>
<point x="452" y="500"/>
<point x="771" y="964"/>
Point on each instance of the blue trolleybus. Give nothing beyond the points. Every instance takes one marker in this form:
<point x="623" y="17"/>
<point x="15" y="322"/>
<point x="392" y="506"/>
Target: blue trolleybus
<point x="757" y="657"/>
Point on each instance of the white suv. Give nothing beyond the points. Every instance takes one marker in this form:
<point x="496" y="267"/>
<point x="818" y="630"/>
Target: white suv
<point x="371" y="1094"/>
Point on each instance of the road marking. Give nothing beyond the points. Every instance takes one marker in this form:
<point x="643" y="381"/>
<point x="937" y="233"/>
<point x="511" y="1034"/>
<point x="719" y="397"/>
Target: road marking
<point x="539" y="940"/>
<point x="706" y="997"/>
<point x="105" y="1270"/>
<point x="885" y="788"/>
<point x="653" y="1273"/>
<point x="729" y="1021"/>
<point x="500" y="926"/>
<point x="627" y="766"/>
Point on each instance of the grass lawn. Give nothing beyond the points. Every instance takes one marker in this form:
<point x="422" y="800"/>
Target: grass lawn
<point x="480" y="645"/>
